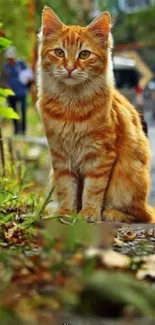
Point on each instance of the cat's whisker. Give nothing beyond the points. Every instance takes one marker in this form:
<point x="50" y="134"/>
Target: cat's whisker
<point x="99" y="87"/>
<point x="97" y="81"/>
<point x="85" y="89"/>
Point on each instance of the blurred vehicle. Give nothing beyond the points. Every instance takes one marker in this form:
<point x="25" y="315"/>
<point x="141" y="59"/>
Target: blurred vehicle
<point x="150" y="93"/>
<point x="127" y="81"/>
<point x="126" y="77"/>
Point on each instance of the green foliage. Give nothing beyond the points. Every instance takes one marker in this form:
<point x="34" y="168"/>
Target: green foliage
<point x="5" y="111"/>
<point x="15" y="197"/>
<point x="4" y="43"/>
<point x="116" y="291"/>
<point x="110" y="5"/>
<point x="6" y="92"/>
<point x="62" y="9"/>
<point x="8" y="112"/>
<point x="14" y="15"/>
<point x="137" y="26"/>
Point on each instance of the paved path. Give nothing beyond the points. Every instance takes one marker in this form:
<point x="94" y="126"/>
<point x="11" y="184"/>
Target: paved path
<point x="152" y="142"/>
<point x="151" y="129"/>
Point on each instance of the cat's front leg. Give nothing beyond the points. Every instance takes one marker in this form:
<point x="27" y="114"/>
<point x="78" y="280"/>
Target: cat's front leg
<point x="65" y="182"/>
<point x="95" y="185"/>
<point x="66" y="191"/>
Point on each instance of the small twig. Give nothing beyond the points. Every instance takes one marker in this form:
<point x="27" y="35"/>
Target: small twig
<point x="2" y="153"/>
<point x="18" y="165"/>
<point x="10" y="147"/>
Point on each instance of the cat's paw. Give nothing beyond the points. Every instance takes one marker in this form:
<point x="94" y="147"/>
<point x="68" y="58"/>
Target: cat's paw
<point x="112" y="215"/>
<point x="65" y="216"/>
<point x="64" y="212"/>
<point x="90" y="214"/>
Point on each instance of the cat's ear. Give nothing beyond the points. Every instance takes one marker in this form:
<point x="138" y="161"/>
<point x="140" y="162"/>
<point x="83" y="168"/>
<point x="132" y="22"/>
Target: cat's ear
<point x="101" y="25"/>
<point x="50" y="22"/>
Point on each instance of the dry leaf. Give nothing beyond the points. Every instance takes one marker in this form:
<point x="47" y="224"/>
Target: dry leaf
<point x="150" y="233"/>
<point x="129" y="236"/>
<point x="9" y="232"/>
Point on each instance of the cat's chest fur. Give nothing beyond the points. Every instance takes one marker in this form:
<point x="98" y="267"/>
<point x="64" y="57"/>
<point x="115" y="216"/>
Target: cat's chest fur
<point x="71" y="131"/>
<point x="70" y="134"/>
<point x="67" y="127"/>
<point x="71" y="139"/>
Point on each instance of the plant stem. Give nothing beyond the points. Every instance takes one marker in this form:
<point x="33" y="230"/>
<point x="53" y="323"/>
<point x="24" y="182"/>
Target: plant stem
<point x="10" y="147"/>
<point x="2" y="153"/>
<point x="45" y="203"/>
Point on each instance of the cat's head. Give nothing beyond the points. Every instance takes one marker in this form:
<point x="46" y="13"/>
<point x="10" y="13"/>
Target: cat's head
<point x="73" y="55"/>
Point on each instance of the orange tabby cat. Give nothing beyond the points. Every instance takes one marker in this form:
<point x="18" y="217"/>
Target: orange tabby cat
<point x="94" y="133"/>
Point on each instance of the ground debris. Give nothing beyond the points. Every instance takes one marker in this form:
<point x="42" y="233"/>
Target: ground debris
<point x="51" y="273"/>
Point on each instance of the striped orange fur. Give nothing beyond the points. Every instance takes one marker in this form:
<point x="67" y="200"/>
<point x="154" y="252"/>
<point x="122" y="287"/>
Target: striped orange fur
<point x="94" y="133"/>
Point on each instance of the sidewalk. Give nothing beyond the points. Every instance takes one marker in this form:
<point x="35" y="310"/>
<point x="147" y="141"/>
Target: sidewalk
<point x="152" y="143"/>
<point x="151" y="131"/>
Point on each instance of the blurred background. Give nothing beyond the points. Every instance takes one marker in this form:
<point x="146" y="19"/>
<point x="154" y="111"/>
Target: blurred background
<point x="46" y="267"/>
<point x="133" y="53"/>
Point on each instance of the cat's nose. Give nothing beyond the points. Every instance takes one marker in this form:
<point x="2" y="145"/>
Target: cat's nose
<point x="69" y="71"/>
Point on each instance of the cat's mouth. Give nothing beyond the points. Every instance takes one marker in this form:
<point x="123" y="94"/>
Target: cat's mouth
<point x="73" y="79"/>
<point x="69" y="80"/>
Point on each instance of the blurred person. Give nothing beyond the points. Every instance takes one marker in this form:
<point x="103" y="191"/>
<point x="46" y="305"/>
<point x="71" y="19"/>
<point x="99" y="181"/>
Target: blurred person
<point x="18" y="77"/>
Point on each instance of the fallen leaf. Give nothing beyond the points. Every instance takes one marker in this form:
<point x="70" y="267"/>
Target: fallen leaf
<point x="129" y="236"/>
<point x="149" y="233"/>
<point x="78" y="258"/>
<point x="9" y="232"/>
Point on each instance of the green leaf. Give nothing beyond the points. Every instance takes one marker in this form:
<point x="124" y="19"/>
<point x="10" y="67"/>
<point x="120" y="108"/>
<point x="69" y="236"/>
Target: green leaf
<point x="8" y="112"/>
<point x="6" y="92"/>
<point x="2" y="101"/>
<point x="119" y="290"/>
<point x="24" y="2"/>
<point x="4" y="43"/>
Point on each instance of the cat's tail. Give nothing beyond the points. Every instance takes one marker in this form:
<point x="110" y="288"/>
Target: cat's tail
<point x="146" y="214"/>
<point x="113" y="215"/>
<point x="152" y="214"/>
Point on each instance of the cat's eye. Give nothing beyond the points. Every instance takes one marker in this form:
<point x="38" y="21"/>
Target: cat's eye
<point x="60" y="53"/>
<point x="84" y="55"/>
